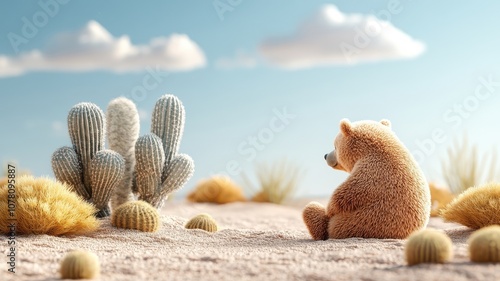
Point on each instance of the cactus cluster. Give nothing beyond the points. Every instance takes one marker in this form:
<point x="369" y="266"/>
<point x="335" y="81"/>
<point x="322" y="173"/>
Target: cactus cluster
<point x="484" y="245"/>
<point x="203" y="222"/>
<point x="92" y="171"/>
<point x="149" y="167"/>
<point x="80" y="264"/>
<point x="137" y="215"/>
<point x="428" y="246"/>
<point x="155" y="168"/>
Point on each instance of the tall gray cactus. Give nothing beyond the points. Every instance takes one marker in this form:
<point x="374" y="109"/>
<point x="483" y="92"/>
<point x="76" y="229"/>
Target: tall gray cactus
<point x="87" y="167"/>
<point x="159" y="168"/>
<point x="174" y="169"/>
<point x="123" y="130"/>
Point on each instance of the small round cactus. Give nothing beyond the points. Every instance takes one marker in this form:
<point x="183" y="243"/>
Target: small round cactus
<point x="138" y="215"/>
<point x="80" y="264"/>
<point x="202" y="221"/>
<point x="428" y="246"/>
<point x="484" y="245"/>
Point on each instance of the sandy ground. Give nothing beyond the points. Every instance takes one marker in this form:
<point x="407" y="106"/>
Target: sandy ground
<point x="256" y="242"/>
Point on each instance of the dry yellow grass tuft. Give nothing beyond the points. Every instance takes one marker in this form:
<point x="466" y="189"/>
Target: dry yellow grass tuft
<point x="217" y="189"/>
<point x="277" y="183"/>
<point x="45" y="206"/>
<point x="464" y="167"/>
<point x="440" y="197"/>
<point x="476" y="207"/>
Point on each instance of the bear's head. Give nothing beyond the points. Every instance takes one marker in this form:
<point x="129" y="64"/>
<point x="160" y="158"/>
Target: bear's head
<point x="357" y="140"/>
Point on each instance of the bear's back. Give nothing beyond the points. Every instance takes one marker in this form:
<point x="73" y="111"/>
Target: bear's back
<point x="399" y="197"/>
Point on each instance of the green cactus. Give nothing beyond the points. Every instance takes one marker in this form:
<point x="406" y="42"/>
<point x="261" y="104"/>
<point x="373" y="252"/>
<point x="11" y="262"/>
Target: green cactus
<point x="123" y="130"/>
<point x="203" y="222"/>
<point x="159" y="168"/>
<point x="137" y="215"/>
<point x="88" y="168"/>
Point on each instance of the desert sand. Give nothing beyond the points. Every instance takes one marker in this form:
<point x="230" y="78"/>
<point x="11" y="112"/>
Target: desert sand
<point x="255" y="242"/>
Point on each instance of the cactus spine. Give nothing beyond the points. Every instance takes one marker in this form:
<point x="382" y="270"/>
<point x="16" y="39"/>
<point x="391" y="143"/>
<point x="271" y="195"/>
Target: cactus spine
<point x="159" y="168"/>
<point x="137" y="215"/>
<point x="88" y="168"/>
<point x="123" y="130"/>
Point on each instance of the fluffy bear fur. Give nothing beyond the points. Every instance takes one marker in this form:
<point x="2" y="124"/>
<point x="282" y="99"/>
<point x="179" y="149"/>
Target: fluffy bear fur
<point x="386" y="194"/>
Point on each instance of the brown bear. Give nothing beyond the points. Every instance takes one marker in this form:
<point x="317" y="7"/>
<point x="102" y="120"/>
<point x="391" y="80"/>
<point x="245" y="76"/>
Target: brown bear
<point x="386" y="194"/>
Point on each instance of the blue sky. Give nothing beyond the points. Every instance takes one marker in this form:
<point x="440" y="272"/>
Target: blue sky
<point x="232" y="93"/>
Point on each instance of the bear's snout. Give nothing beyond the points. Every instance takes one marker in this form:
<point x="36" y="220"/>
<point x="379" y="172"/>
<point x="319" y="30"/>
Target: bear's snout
<point x="331" y="160"/>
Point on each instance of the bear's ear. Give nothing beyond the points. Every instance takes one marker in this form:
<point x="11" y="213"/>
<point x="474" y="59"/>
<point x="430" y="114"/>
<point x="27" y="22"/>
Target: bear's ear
<point x="385" y="122"/>
<point x="345" y="127"/>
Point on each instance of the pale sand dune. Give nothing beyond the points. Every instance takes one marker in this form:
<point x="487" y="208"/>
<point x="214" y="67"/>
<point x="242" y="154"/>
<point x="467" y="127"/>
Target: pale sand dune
<point x="256" y="242"/>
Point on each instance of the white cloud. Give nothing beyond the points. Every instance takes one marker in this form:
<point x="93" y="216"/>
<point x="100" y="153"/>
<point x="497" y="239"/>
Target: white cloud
<point x="94" y="48"/>
<point x="240" y="60"/>
<point x="331" y="37"/>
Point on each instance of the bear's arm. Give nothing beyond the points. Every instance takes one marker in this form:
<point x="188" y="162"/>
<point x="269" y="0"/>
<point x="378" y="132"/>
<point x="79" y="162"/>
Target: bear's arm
<point x="342" y="200"/>
<point x="352" y="194"/>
